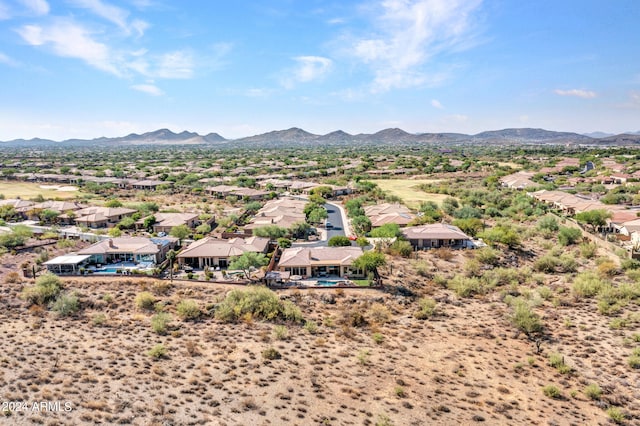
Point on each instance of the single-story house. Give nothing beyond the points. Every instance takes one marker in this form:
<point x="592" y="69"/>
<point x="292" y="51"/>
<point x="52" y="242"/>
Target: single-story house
<point x="67" y="264"/>
<point x="437" y="235"/>
<point x="165" y="222"/>
<point x="101" y="217"/>
<point x="130" y="249"/>
<point x="217" y="253"/>
<point x="321" y="261"/>
<point x="382" y="214"/>
<point x="149" y="184"/>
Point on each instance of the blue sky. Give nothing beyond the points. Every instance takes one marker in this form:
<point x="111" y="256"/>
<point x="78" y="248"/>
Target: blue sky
<point x="90" y="68"/>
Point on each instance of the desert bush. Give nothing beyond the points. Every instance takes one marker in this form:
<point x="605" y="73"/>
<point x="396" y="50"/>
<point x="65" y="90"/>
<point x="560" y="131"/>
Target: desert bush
<point x="547" y="263"/>
<point x="66" y="304"/>
<point x="548" y="223"/>
<point x="401" y="248"/>
<point x="363" y="357"/>
<point x="260" y="302"/>
<point x="568" y="236"/>
<point x="188" y="309"/>
<point x="502" y="276"/>
<point x="46" y="289"/>
<point x="428" y="308"/>
<point x="158" y="351"/>
<point x="161" y="288"/>
<point x="556" y="361"/>
<point x="99" y="320"/>
<point x="443" y="253"/>
<point x="629" y="290"/>
<point x="379" y="314"/>
<point x="271" y="354"/>
<point x="634" y="360"/>
<point x="588" y="250"/>
<point x="281" y="332"/>
<point x="145" y="300"/>
<point x="616" y="415"/>
<point x="13" y="278"/>
<point x="587" y="284"/>
<point x="378" y="338"/>
<point x="311" y="327"/>
<point x="524" y="318"/>
<point x="593" y="391"/>
<point x="473" y="268"/>
<point x="610" y="300"/>
<point x="467" y="287"/>
<point x="159" y="322"/>
<point x="545" y="292"/>
<point x="552" y="391"/>
<point x="487" y="256"/>
<point x="608" y="269"/>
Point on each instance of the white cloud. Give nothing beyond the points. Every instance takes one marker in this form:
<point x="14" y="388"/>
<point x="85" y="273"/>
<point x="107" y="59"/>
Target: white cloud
<point x="579" y="93"/>
<point x="307" y="69"/>
<point x="178" y="65"/>
<point x="409" y="33"/>
<point x="37" y="7"/>
<point x="436" y="104"/>
<point x="71" y="40"/>
<point x="150" y="89"/>
<point x="113" y="14"/>
<point x="258" y="93"/>
<point x="4" y="59"/>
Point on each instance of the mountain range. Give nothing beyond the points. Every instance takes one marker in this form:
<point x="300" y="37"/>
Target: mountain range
<point x="299" y="137"/>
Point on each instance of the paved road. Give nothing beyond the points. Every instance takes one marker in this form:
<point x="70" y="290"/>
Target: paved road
<point x="335" y="217"/>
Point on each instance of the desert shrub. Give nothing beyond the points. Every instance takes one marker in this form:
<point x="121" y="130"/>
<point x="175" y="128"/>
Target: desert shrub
<point x="610" y="300"/>
<point x="473" y="268"/>
<point x="428" y="308"/>
<point x="593" y="391"/>
<point x="487" y="256"/>
<point x="260" y="302"/>
<point x="587" y="284"/>
<point x="548" y="223"/>
<point x="281" y="332"/>
<point x="363" y="357"/>
<point x="629" y="290"/>
<point x="161" y="288"/>
<point x="616" y="415"/>
<point x="552" y="391"/>
<point x="46" y="289"/>
<point x="524" y="318"/>
<point x="66" y="304"/>
<point x="568" y="263"/>
<point x="12" y="278"/>
<point x="467" y="287"/>
<point x="145" y="300"/>
<point x="588" y="250"/>
<point x="556" y="360"/>
<point x="188" y="309"/>
<point x="378" y="338"/>
<point x="401" y="248"/>
<point x="271" y="354"/>
<point x="634" y="360"/>
<point x="99" y="320"/>
<point x="630" y="264"/>
<point x="568" y="236"/>
<point x="545" y="292"/>
<point x="158" y="351"/>
<point x="311" y="327"/>
<point x="379" y="314"/>
<point x="501" y="276"/>
<point x="160" y="321"/>
<point x="547" y="263"/>
<point x="443" y="253"/>
<point x="608" y="269"/>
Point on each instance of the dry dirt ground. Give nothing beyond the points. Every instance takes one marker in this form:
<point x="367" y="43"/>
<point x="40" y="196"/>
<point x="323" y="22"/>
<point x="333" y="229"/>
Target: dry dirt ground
<point x="465" y="365"/>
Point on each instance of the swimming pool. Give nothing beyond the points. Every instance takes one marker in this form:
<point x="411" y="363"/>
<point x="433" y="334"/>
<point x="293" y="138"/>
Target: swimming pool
<point x="329" y="283"/>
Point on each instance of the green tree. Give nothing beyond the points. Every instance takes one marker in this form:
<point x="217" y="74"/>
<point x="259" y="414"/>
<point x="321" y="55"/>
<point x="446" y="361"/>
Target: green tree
<point x="148" y="222"/>
<point x="115" y="232"/>
<point x="300" y="230"/>
<point x="339" y="241"/>
<point x="127" y="223"/>
<point x="317" y="215"/>
<point x="568" y="236"/>
<point x="247" y="261"/>
<point x="594" y="218"/>
<point x="388" y="230"/>
<point x="204" y="228"/>
<point x="272" y="232"/>
<point x="361" y="225"/>
<point x="171" y="257"/>
<point x="252" y="206"/>
<point x="113" y="203"/>
<point x="180" y="232"/>
<point x="284" y="243"/>
<point x="469" y="226"/>
<point x="501" y="234"/>
<point x="48" y="216"/>
<point x="369" y="261"/>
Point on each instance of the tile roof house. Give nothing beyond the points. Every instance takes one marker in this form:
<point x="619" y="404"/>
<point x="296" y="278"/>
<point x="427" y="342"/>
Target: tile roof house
<point x="437" y="235"/>
<point x="130" y="249"/>
<point x="215" y="252"/>
<point x="381" y="214"/>
<point x="165" y="222"/>
<point x="320" y="261"/>
<point x="101" y="217"/>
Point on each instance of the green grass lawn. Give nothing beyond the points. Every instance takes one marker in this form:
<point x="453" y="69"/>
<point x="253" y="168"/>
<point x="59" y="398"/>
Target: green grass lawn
<point x="362" y="283"/>
<point x="28" y="190"/>
<point x="407" y="190"/>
